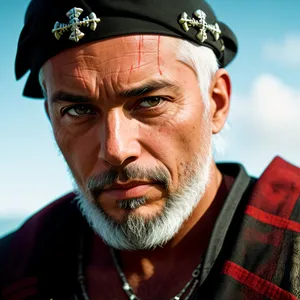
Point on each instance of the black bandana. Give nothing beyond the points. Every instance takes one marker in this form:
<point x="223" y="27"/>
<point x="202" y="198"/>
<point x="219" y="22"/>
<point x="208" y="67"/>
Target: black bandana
<point x="48" y="30"/>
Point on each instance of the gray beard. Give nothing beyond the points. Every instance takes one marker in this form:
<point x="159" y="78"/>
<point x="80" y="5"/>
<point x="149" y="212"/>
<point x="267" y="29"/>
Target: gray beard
<point x="137" y="233"/>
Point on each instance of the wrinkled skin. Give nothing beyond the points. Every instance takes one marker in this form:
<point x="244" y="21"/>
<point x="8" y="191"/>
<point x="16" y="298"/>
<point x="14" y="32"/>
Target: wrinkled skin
<point x="115" y="130"/>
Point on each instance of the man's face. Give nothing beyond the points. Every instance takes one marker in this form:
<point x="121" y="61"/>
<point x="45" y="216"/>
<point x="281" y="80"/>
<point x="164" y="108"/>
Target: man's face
<point x="130" y="121"/>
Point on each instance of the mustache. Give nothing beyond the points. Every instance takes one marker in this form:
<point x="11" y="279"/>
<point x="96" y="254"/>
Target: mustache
<point x="97" y="183"/>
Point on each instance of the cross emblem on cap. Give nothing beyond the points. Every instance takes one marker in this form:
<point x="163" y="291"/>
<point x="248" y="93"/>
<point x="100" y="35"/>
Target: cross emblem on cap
<point x="201" y="24"/>
<point x="74" y="24"/>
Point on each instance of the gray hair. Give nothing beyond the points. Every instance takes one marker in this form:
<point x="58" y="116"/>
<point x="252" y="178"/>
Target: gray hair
<point x="205" y="64"/>
<point x="203" y="61"/>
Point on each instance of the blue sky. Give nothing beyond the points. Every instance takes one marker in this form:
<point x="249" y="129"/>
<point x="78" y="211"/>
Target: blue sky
<point x="264" y="116"/>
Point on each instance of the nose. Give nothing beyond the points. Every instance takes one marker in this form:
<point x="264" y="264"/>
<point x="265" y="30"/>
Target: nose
<point x="119" y="139"/>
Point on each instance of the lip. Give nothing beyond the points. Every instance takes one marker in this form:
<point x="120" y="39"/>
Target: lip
<point x="128" y="190"/>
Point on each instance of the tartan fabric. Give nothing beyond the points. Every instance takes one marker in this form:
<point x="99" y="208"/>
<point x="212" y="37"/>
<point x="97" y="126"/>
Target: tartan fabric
<point x="265" y="260"/>
<point x="254" y="282"/>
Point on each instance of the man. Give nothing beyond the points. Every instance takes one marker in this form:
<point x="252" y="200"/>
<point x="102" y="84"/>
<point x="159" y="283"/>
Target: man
<point x="134" y="93"/>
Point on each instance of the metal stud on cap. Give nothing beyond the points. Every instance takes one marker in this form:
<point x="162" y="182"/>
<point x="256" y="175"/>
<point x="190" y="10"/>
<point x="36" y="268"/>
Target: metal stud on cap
<point x="200" y="23"/>
<point x="74" y="24"/>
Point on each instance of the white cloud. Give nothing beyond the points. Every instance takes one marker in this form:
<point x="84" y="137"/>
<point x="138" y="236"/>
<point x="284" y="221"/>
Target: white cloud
<point x="285" y="51"/>
<point x="264" y="124"/>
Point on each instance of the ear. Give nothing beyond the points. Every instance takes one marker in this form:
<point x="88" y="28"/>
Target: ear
<point x="46" y="106"/>
<point x="220" y="92"/>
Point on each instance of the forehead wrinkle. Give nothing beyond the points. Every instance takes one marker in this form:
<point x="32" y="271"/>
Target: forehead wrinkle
<point x="89" y="57"/>
<point x="132" y="80"/>
<point x="85" y="50"/>
<point x="126" y="51"/>
<point x="102" y="72"/>
<point x="91" y="61"/>
<point x="110" y="72"/>
<point x="112" y="86"/>
<point x="77" y="81"/>
<point x="132" y="55"/>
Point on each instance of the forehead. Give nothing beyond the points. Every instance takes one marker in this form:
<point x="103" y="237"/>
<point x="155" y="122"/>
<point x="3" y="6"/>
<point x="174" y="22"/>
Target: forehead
<point x="137" y="57"/>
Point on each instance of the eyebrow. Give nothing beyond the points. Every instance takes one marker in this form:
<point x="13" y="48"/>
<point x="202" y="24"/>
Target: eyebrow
<point x="151" y="86"/>
<point x="61" y="96"/>
<point x="148" y="87"/>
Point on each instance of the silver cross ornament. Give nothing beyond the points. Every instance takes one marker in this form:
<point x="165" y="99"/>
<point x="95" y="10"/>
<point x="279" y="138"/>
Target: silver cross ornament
<point x="74" y="24"/>
<point x="200" y="22"/>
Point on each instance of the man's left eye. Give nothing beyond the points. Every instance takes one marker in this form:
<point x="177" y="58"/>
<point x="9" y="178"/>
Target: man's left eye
<point x="80" y="110"/>
<point x="150" y="102"/>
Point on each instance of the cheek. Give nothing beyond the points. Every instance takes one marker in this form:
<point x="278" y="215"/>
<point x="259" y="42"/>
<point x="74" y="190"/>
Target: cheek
<point x="175" y="143"/>
<point x="184" y="132"/>
<point x="80" y="151"/>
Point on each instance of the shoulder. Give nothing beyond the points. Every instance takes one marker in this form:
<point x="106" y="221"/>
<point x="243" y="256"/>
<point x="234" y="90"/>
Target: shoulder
<point x="18" y="248"/>
<point x="275" y="198"/>
<point x="280" y="177"/>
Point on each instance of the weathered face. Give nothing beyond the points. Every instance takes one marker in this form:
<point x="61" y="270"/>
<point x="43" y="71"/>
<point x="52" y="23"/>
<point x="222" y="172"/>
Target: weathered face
<point x="129" y="119"/>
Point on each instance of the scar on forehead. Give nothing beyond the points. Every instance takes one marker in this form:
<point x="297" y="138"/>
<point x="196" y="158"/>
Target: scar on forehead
<point x="140" y="51"/>
<point x="141" y="42"/>
<point x="158" y="55"/>
<point x="131" y="69"/>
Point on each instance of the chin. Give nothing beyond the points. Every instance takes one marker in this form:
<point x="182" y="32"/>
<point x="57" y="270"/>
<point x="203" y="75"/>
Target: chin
<point x="144" y="207"/>
<point x="147" y="213"/>
<point x="147" y="223"/>
<point x="146" y="227"/>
